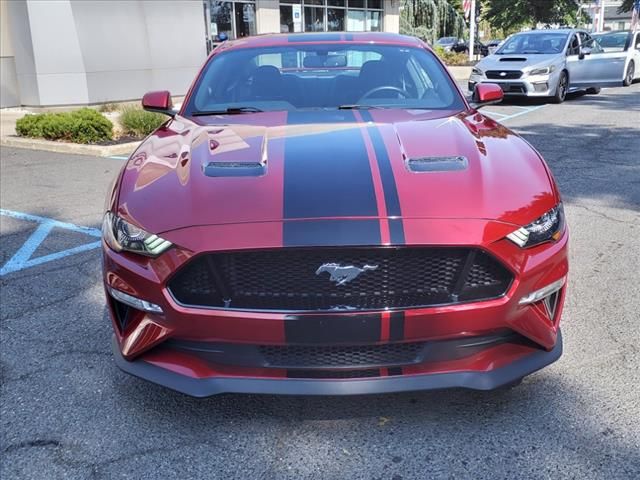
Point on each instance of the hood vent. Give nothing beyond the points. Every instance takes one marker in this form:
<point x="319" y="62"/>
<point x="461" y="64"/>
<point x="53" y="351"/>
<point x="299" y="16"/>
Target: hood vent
<point x="437" y="164"/>
<point x="235" y="169"/>
<point x="513" y="59"/>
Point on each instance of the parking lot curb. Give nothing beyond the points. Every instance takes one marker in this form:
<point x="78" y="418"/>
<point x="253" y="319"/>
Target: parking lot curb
<point x="74" y="148"/>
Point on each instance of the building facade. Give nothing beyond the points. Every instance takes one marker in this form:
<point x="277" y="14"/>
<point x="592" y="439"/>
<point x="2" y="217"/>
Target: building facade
<point x="78" y="52"/>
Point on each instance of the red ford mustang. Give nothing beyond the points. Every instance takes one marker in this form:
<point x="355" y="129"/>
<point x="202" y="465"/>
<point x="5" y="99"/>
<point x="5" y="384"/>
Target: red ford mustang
<point x="327" y="214"/>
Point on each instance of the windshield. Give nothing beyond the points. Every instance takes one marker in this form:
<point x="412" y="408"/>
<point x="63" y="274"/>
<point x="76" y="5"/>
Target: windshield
<point x="613" y="41"/>
<point x="446" y="40"/>
<point x="534" y="43"/>
<point x="294" y="77"/>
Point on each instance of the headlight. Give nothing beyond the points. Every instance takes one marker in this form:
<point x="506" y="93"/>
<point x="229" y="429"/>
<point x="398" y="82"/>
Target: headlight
<point x="123" y="236"/>
<point x="543" y="71"/>
<point x="548" y="227"/>
<point x="476" y="71"/>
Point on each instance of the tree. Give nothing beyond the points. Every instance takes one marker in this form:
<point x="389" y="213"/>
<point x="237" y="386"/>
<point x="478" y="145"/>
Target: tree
<point x="513" y="14"/>
<point x="626" y="6"/>
<point x="431" y="19"/>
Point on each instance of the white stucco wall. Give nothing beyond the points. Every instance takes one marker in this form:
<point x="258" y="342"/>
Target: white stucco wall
<point x="86" y="52"/>
<point x="78" y="52"/>
<point x="9" y="93"/>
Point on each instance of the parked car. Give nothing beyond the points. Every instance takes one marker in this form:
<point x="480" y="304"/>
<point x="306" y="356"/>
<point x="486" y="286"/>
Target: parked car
<point x="492" y="45"/>
<point x="379" y="235"/>
<point x="549" y="63"/>
<point x="447" y="43"/>
<point x="623" y="43"/>
<point x="462" y="46"/>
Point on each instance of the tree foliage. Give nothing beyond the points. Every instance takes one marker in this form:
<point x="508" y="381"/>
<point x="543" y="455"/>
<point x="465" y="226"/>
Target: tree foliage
<point x="626" y="6"/>
<point x="512" y="14"/>
<point x="431" y="19"/>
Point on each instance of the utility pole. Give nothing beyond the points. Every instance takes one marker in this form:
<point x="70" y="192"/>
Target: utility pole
<point x="472" y="30"/>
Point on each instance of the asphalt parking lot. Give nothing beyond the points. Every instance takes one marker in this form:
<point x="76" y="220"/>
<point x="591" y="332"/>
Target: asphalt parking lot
<point x="66" y="411"/>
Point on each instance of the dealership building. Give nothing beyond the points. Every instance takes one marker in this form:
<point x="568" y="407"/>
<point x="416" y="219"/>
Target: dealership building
<point x="79" y="52"/>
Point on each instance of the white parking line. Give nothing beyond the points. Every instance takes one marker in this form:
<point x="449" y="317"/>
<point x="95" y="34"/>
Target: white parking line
<point x="530" y="110"/>
<point x="118" y="157"/>
<point x="22" y="258"/>
<point x="503" y="117"/>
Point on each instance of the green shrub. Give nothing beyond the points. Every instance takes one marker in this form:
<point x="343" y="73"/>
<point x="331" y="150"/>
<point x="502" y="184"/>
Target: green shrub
<point x="138" y="122"/>
<point x="80" y="126"/>
<point x="451" y="58"/>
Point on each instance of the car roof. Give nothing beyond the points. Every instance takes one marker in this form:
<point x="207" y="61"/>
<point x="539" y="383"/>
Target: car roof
<point x="277" y="39"/>
<point x="553" y="30"/>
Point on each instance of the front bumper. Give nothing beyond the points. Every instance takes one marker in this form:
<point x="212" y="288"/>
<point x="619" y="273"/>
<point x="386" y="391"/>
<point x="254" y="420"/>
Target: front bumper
<point x="530" y="86"/>
<point x="145" y="345"/>
<point x="204" y="387"/>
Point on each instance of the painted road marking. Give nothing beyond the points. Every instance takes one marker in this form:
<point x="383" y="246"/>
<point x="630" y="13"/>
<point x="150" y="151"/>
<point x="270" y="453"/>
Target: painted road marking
<point x="118" y="157"/>
<point x="22" y="258"/>
<point x="503" y="117"/>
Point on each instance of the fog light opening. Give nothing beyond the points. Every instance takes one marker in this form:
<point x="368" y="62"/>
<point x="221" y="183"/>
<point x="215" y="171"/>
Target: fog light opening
<point x="543" y="293"/>
<point x="135" y="302"/>
<point x="551" y="304"/>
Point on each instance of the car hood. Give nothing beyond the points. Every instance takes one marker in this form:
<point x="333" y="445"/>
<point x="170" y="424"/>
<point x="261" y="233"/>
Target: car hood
<point x="279" y="166"/>
<point x="517" y="61"/>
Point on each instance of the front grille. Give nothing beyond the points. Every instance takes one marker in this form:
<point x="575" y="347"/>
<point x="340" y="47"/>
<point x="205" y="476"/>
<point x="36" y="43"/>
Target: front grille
<point x="286" y="279"/>
<point x="519" y="88"/>
<point x="508" y="74"/>
<point x="296" y="356"/>
<point x="333" y="374"/>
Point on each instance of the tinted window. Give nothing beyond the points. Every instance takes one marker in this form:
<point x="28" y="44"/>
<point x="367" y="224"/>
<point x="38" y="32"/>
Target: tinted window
<point x="612" y="42"/>
<point x="324" y="76"/>
<point x="534" y="43"/>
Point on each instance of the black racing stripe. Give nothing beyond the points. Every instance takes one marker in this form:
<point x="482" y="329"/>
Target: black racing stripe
<point x="395" y="371"/>
<point x="327" y="37"/>
<point x="396" y="231"/>
<point x="327" y="174"/>
<point x="310" y="233"/>
<point x="332" y="329"/>
<point x="391" y="198"/>
<point x="396" y="326"/>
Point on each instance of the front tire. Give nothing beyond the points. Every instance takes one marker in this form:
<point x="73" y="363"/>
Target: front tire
<point x="628" y="78"/>
<point x="561" y="89"/>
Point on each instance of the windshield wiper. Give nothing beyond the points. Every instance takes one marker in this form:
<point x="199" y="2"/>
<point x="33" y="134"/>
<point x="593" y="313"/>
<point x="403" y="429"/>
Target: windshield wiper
<point x="356" y="106"/>
<point x="228" y="111"/>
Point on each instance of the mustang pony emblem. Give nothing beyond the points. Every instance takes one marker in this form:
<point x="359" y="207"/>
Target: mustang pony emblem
<point x="342" y="275"/>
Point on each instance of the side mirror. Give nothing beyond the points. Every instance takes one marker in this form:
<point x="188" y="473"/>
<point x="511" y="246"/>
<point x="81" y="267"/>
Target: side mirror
<point x="159" y="102"/>
<point x="486" y="94"/>
<point x="584" y="51"/>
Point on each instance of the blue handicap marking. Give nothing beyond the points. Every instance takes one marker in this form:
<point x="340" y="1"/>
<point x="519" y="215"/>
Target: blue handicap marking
<point x="22" y="258"/>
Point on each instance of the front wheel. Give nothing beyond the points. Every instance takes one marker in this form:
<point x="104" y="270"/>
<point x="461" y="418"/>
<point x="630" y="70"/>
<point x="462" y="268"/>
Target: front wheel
<point x="628" y="78"/>
<point x="561" y="89"/>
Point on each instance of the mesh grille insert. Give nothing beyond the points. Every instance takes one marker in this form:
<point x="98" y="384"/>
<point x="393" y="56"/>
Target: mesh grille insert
<point x="288" y="279"/>
<point x="342" y="356"/>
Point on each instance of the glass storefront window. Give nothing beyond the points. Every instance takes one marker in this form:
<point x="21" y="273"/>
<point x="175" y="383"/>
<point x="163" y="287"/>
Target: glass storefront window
<point x="234" y="18"/>
<point x="314" y="19"/>
<point x="355" y="21"/>
<point x="245" y="20"/>
<point x="374" y="21"/>
<point x="335" y="19"/>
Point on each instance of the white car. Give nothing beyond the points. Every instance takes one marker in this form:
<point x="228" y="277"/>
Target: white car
<point x="550" y="63"/>
<point x="623" y="43"/>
